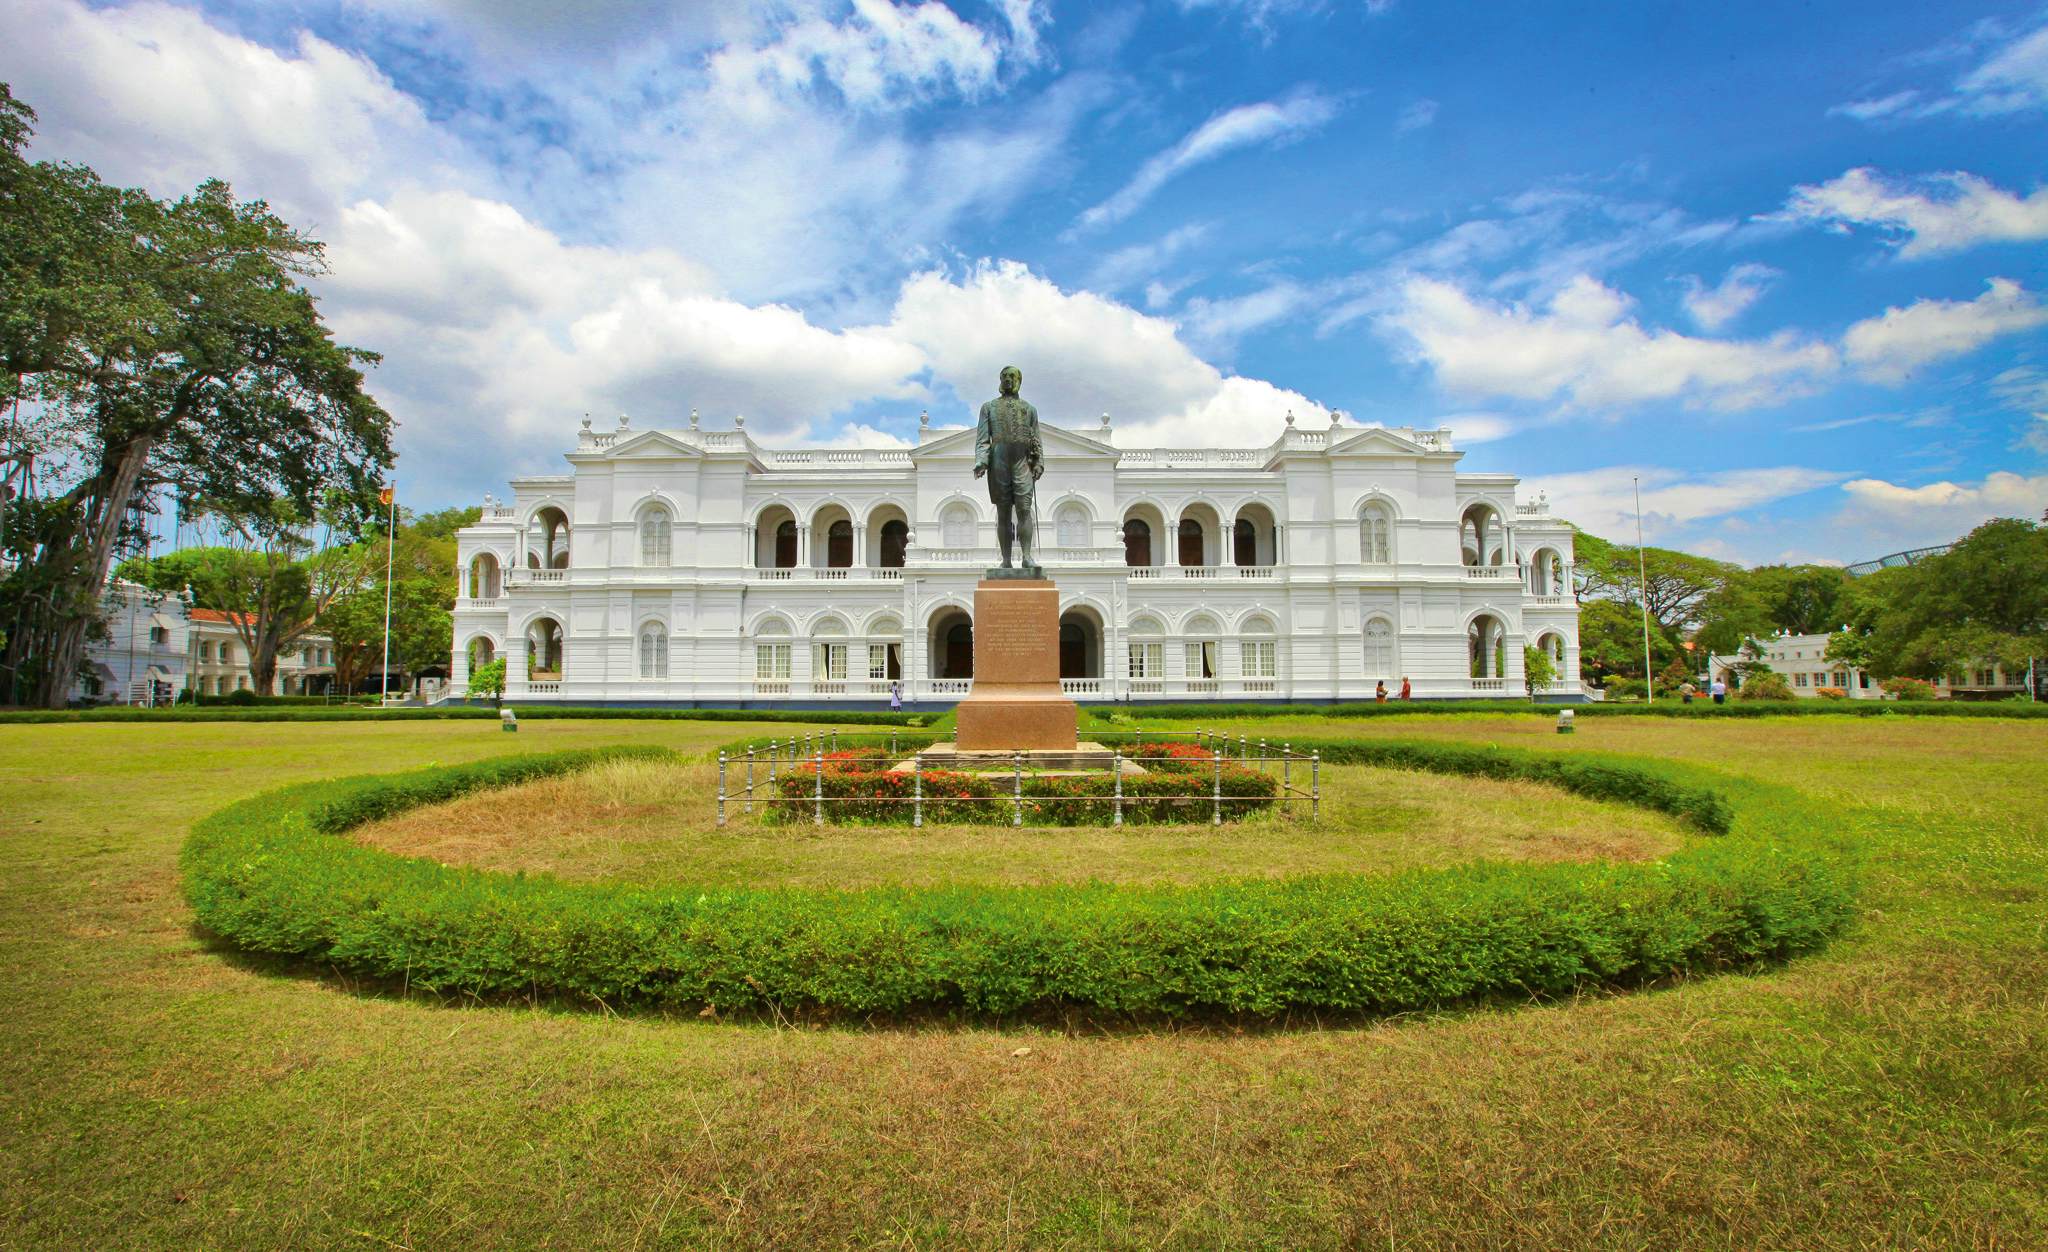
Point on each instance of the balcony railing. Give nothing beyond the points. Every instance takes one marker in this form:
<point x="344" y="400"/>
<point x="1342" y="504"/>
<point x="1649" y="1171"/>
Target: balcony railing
<point x="839" y="574"/>
<point x="1489" y="684"/>
<point x="1489" y="571"/>
<point x="1547" y="602"/>
<point x="1081" y="686"/>
<point x="516" y="577"/>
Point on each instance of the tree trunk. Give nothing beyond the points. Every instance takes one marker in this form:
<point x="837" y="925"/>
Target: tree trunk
<point x="119" y="479"/>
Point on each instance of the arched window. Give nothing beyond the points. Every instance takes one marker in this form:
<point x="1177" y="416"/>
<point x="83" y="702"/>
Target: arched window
<point x="483" y="577"/>
<point x="653" y="651"/>
<point x="839" y="545"/>
<point x="1244" y="542"/>
<point x="654" y="538"/>
<point x="1375" y="536"/>
<point x="1137" y="542"/>
<point x="1258" y="654"/>
<point x="481" y="652"/>
<point x="1073" y="527"/>
<point x="1146" y="652"/>
<point x="957" y="526"/>
<point x="785" y="545"/>
<point x="1379" y="649"/>
<point x="1199" y="647"/>
<point x="1190" y="541"/>
<point x="544" y="649"/>
<point x="895" y="539"/>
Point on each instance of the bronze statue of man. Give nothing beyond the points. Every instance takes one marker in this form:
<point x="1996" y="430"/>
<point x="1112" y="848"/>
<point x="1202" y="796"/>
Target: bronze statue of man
<point x="1007" y="449"/>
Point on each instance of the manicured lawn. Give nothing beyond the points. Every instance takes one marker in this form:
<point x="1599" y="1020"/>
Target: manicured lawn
<point x="649" y="822"/>
<point x="1890" y="1091"/>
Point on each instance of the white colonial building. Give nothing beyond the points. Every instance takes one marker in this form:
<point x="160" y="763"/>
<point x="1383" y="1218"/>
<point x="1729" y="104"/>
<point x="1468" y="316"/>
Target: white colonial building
<point x="695" y="566"/>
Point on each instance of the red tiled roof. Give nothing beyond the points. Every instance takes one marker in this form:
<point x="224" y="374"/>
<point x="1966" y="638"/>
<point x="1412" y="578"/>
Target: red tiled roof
<point x="215" y="615"/>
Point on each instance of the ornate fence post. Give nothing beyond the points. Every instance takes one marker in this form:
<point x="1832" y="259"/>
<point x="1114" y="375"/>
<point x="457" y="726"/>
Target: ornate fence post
<point x="1017" y="789"/>
<point x="1215" y="790"/>
<point x="1140" y="733"/>
<point x="1263" y="758"/>
<point x="818" y="787"/>
<point x="750" y="779"/>
<point x="1116" y="764"/>
<point x="835" y="739"/>
<point x="1315" y="786"/>
<point x="1286" y="770"/>
<point x="721" y="786"/>
<point x="1244" y="749"/>
<point x="916" y="791"/>
<point x="774" y="758"/>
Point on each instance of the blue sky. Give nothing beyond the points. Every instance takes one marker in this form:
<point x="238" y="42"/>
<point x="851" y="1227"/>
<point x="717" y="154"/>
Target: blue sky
<point x="1783" y="264"/>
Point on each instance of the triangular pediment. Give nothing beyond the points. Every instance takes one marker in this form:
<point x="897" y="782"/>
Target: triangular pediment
<point x="1058" y="441"/>
<point x="649" y="444"/>
<point x="1375" y="441"/>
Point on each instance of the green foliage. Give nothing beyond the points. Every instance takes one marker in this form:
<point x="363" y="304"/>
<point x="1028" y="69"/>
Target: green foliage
<point x="269" y="875"/>
<point x="269" y="712"/>
<point x="1206" y="713"/>
<point x="488" y="680"/>
<point x="1611" y="641"/>
<point x="1764" y="687"/>
<point x="1984" y="602"/>
<point x="1537" y="666"/>
<point x="163" y="345"/>
<point x="1799" y="599"/>
<point x="1903" y="688"/>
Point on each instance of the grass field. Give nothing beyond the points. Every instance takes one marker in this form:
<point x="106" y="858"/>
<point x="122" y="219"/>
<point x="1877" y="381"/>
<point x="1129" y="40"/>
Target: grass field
<point x="1892" y="1091"/>
<point x="647" y="822"/>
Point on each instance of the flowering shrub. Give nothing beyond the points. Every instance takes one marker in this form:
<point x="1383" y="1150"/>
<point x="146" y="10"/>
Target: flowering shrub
<point x="1831" y="693"/>
<point x="1903" y="688"/>
<point x="1177" y="791"/>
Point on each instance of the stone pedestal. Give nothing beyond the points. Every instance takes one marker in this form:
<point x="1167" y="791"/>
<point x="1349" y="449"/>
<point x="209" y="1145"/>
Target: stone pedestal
<point x="1016" y="703"/>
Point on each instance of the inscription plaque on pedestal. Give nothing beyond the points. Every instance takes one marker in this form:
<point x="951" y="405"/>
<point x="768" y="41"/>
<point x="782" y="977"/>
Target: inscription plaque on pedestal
<point x="1016" y="704"/>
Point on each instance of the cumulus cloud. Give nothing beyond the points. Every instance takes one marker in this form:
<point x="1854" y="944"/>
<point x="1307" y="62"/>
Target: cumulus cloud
<point x="1889" y="517"/>
<point x="1083" y="355"/>
<point x="154" y="95"/>
<point x="1270" y="121"/>
<point x="1603" y="500"/>
<point x="1890" y="346"/>
<point x="1585" y="347"/>
<point x="1924" y="217"/>
<point x="1712" y="308"/>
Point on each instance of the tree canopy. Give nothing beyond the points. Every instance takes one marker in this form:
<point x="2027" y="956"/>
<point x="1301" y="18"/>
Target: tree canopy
<point x="157" y="346"/>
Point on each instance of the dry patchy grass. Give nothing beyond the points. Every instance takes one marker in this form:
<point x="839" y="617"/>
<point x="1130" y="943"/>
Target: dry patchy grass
<point x="647" y="822"/>
<point x="1886" y="1093"/>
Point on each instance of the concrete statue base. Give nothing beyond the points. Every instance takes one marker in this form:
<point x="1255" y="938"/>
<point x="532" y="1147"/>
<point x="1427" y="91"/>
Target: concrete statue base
<point x="1016" y="703"/>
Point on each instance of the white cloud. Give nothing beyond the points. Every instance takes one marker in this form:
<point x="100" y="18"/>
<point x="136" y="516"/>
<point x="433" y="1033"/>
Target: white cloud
<point x="1712" y="308"/>
<point x="1140" y="261"/>
<point x="152" y="94"/>
<point x="1886" y="517"/>
<point x="1217" y="324"/>
<point x="1270" y="121"/>
<point x="1584" y="346"/>
<point x="1603" y="500"/>
<point x="881" y="55"/>
<point x="1873" y="110"/>
<point x="1890" y="346"/>
<point x="1940" y="213"/>
<point x="2013" y="79"/>
<point x="1415" y="116"/>
<point x="1083" y="355"/>
<point x="2025" y="389"/>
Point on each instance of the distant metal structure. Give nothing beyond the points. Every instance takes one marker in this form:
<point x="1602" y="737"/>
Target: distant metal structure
<point x="1911" y="556"/>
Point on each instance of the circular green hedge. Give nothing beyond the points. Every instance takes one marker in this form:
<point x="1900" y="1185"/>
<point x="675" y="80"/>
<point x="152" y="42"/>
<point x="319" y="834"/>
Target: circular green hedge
<point x="268" y="874"/>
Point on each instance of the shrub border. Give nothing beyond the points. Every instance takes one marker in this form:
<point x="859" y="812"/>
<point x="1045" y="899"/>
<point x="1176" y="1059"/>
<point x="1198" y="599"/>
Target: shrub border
<point x="345" y="713"/>
<point x="268" y="875"/>
<point x="1700" y="708"/>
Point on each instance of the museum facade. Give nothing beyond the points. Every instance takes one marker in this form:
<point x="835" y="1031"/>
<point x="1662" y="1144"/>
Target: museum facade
<point x="695" y="566"/>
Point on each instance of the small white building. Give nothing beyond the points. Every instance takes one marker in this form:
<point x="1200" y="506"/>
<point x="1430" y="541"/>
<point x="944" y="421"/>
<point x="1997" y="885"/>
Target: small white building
<point x="695" y="566"/>
<point x="143" y="659"/>
<point x="220" y="660"/>
<point x="1802" y="661"/>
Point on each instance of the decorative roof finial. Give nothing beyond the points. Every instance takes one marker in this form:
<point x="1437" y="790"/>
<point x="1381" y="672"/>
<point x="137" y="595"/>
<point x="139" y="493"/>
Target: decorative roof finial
<point x="739" y="421"/>
<point x="1336" y="418"/>
<point x="1105" y="421"/>
<point x="586" y="421"/>
<point x="924" y="419"/>
<point x="693" y="417"/>
<point x="624" y="421"/>
<point x="1290" y="417"/>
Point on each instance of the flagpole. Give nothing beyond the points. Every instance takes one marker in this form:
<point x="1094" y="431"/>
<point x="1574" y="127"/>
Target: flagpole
<point x="390" y="544"/>
<point x="1643" y="585"/>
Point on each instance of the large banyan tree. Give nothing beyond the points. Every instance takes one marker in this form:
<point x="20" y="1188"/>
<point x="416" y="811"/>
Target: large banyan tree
<point x="147" y="349"/>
